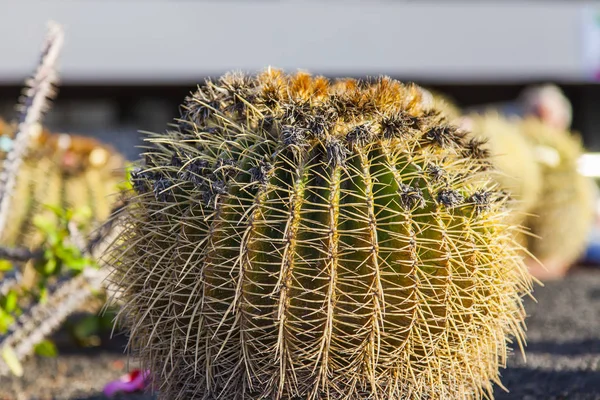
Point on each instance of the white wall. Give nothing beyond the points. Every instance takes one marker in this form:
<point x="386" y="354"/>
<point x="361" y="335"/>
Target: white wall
<point x="180" y="41"/>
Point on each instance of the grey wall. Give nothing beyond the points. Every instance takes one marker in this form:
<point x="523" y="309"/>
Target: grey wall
<point x="179" y="41"/>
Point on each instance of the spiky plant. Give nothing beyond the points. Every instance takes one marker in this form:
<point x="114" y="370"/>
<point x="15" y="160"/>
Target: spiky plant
<point x="66" y="172"/>
<point x="564" y="213"/>
<point x="33" y="103"/>
<point x="64" y="297"/>
<point x="297" y="238"/>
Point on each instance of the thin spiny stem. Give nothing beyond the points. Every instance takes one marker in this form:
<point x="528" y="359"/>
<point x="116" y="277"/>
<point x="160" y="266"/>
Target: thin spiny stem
<point x="33" y="104"/>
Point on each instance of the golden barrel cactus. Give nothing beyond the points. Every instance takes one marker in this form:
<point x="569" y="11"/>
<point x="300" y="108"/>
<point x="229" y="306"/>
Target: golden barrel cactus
<point x="292" y="237"/>
<point x="66" y="171"/>
<point x="518" y="170"/>
<point x="563" y="216"/>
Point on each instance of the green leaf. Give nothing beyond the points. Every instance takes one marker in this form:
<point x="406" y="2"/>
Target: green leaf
<point x="6" y="320"/>
<point x="78" y="264"/>
<point x="43" y="224"/>
<point x="46" y="348"/>
<point x="126" y="185"/>
<point x="57" y="210"/>
<point x="83" y="213"/>
<point x="50" y="266"/>
<point x="43" y="292"/>
<point x="12" y="361"/>
<point x="5" y="266"/>
<point x="10" y="301"/>
<point x="63" y="253"/>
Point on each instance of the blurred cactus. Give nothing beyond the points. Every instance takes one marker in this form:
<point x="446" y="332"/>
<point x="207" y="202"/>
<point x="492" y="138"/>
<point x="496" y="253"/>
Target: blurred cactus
<point x="65" y="171"/>
<point x="444" y="104"/>
<point x="67" y="186"/>
<point x="297" y="238"/>
<point x="563" y="215"/>
<point x="519" y="172"/>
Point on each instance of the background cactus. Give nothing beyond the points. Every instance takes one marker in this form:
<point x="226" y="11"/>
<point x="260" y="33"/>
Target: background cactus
<point x="66" y="187"/>
<point x="563" y="216"/>
<point x="64" y="171"/>
<point x="519" y="172"/>
<point x="296" y="237"/>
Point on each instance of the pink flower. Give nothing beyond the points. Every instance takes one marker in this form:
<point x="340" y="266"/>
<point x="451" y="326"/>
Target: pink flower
<point x="134" y="381"/>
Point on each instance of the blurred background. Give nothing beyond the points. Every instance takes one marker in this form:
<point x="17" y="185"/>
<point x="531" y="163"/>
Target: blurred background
<point x="127" y="64"/>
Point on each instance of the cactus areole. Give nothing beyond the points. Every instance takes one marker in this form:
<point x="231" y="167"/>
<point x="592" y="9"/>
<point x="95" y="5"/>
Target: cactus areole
<point x="291" y="237"/>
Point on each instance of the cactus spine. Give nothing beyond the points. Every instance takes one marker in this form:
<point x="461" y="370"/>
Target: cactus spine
<point x="294" y="237"/>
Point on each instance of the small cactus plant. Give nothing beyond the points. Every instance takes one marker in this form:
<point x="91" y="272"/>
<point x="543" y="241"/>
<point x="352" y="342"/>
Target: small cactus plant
<point x="292" y="237"/>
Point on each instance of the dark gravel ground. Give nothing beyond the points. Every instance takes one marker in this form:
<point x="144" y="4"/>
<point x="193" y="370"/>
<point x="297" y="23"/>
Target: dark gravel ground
<point x="563" y="354"/>
<point x="563" y="343"/>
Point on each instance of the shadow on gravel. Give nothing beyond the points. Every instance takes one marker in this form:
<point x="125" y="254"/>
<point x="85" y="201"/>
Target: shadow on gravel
<point x="532" y="384"/>
<point x="594" y="294"/>
<point x="590" y="346"/>
<point x="108" y="344"/>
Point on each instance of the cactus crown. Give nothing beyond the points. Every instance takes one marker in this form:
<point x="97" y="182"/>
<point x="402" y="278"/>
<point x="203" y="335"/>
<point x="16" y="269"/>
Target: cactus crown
<point x="296" y="237"/>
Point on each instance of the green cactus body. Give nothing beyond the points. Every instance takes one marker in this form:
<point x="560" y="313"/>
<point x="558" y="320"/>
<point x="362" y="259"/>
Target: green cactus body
<point x="297" y="238"/>
<point x="563" y="216"/>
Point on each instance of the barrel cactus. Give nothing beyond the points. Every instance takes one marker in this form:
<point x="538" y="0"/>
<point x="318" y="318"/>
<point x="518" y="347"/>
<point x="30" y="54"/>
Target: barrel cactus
<point x="515" y="159"/>
<point x="66" y="171"/>
<point x="293" y="237"/>
<point x="562" y="217"/>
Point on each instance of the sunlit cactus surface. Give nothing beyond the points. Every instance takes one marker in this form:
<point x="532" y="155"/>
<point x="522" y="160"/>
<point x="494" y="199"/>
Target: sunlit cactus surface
<point x="293" y="237"/>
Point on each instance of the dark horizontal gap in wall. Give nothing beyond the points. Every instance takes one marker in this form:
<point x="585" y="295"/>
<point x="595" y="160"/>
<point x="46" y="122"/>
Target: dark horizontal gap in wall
<point x="584" y="97"/>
